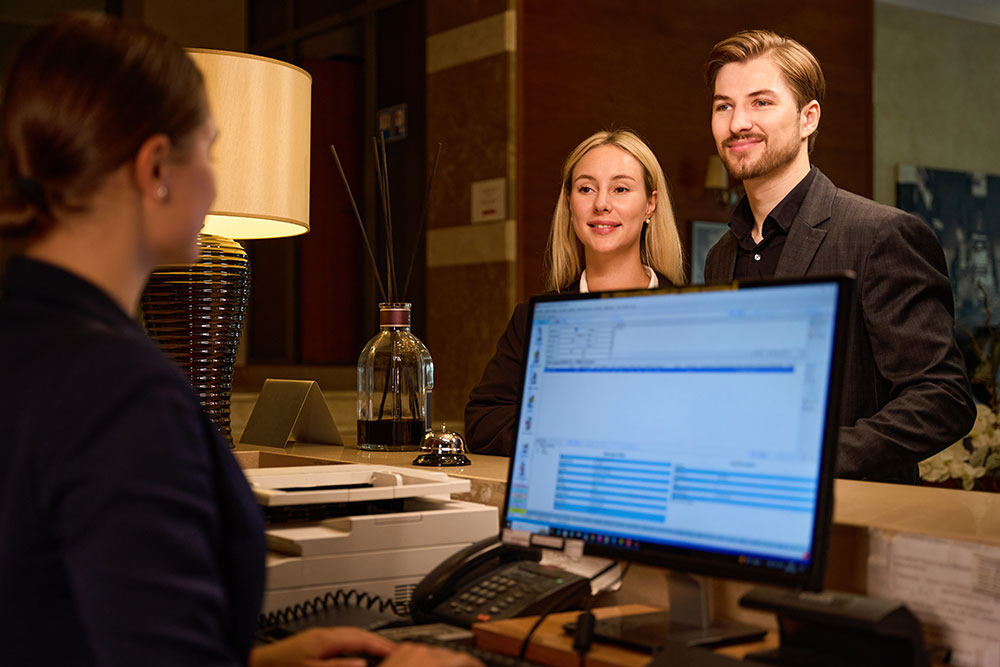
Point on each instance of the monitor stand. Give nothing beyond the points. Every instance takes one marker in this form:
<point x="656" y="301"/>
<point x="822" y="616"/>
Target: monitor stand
<point x="689" y="622"/>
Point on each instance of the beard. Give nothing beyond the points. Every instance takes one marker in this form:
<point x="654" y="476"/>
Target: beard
<point x="743" y="168"/>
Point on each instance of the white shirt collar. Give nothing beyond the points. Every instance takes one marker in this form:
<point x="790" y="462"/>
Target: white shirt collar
<point x="653" y="282"/>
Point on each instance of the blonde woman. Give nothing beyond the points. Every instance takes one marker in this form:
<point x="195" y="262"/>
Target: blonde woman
<point x="613" y="228"/>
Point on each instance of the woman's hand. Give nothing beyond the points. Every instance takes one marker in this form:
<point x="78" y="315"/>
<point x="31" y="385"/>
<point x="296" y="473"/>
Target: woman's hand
<point x="342" y="646"/>
<point x="322" y="646"/>
<point x="423" y="655"/>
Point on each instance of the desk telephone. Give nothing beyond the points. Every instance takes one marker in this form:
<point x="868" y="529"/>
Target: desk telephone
<point x="489" y="580"/>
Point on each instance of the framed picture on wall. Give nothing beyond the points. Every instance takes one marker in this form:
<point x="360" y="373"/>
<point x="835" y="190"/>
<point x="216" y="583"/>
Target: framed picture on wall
<point x="704" y="234"/>
<point x="963" y="209"/>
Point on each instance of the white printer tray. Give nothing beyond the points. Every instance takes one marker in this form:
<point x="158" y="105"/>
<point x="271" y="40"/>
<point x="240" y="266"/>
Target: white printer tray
<point x="348" y="482"/>
<point x="424" y="522"/>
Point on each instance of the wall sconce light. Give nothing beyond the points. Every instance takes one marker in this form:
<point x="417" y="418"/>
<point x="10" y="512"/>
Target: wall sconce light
<point x="717" y="182"/>
<point x="195" y="312"/>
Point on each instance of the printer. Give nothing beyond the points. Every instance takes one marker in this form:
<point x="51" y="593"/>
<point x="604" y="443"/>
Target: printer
<point x="367" y="528"/>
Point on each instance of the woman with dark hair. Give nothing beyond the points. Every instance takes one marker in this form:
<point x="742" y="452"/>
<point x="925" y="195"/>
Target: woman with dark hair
<point x="613" y="228"/>
<point x="128" y="532"/>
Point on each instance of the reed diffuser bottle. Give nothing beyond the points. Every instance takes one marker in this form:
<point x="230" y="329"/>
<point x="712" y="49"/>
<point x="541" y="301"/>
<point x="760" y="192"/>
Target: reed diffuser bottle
<point x="395" y="383"/>
<point x="395" y="371"/>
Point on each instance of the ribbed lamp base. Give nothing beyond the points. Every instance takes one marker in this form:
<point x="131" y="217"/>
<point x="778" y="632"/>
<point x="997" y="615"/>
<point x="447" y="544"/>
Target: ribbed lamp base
<point x="195" y="313"/>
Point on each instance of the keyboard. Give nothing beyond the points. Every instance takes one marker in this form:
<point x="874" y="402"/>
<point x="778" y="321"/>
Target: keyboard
<point x="488" y="658"/>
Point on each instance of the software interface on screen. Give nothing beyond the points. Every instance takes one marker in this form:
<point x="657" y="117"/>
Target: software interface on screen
<point x="691" y="419"/>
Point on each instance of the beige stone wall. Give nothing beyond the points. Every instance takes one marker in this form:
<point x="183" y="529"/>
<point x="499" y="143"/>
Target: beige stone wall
<point x="937" y="84"/>
<point x="471" y="107"/>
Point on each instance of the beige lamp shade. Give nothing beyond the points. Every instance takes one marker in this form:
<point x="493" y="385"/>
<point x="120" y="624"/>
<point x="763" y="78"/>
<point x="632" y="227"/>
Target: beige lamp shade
<point x="261" y="158"/>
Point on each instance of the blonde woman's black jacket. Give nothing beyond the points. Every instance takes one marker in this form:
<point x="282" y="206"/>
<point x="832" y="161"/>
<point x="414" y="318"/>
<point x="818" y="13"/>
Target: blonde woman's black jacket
<point x="492" y="408"/>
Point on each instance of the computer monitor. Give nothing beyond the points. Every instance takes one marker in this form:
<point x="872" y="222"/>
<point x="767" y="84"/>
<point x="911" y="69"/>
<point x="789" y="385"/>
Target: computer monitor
<point x="689" y="428"/>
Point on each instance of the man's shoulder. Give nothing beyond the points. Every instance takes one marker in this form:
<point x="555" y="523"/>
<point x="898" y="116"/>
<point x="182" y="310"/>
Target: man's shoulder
<point x="858" y="217"/>
<point x="857" y="226"/>
<point x="826" y="199"/>
<point x="851" y="214"/>
<point x="860" y="208"/>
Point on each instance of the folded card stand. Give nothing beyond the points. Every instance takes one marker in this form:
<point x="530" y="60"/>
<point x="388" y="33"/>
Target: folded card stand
<point x="290" y="410"/>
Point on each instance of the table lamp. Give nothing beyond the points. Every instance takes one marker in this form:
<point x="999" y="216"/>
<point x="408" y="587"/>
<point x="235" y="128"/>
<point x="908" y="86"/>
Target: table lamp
<point x="195" y="311"/>
<point x="717" y="181"/>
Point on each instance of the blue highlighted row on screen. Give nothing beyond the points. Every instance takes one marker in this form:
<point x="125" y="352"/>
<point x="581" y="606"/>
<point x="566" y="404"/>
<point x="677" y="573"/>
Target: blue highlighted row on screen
<point x="616" y="466"/>
<point x="576" y="488"/>
<point x="606" y="461"/>
<point x="620" y="514"/>
<point x="684" y="470"/>
<point x="606" y="505"/>
<point x="762" y="491"/>
<point x="670" y="369"/>
<point x="608" y="475"/>
<point x="784" y="507"/>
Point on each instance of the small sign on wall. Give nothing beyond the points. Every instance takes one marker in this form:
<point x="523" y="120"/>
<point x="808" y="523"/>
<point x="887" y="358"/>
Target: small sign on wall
<point x="489" y="200"/>
<point x="391" y="122"/>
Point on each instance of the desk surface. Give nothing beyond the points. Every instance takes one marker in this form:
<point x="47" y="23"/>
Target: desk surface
<point x="487" y="474"/>
<point x="551" y="646"/>
<point x="949" y="513"/>
<point x="484" y="467"/>
<point x="967" y="515"/>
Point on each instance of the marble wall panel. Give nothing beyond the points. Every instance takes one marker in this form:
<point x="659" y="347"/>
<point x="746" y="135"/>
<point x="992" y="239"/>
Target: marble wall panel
<point x="470" y="312"/>
<point x="443" y="16"/>
<point x="467" y="113"/>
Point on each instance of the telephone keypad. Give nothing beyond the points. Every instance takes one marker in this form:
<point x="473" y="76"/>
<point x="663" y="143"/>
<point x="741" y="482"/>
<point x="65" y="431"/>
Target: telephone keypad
<point x="520" y="588"/>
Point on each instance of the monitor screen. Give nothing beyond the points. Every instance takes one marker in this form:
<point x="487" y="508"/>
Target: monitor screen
<point x="691" y="428"/>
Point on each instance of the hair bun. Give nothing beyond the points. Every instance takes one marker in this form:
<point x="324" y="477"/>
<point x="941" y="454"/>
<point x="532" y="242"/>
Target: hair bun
<point x="33" y="193"/>
<point x="24" y="204"/>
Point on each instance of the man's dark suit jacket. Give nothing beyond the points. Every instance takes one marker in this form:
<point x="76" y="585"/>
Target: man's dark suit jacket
<point x="906" y="394"/>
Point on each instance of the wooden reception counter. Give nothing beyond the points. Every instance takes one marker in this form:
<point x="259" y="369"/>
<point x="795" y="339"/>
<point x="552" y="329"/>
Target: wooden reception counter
<point x="860" y="508"/>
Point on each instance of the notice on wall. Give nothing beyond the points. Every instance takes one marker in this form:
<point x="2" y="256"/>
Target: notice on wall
<point x="489" y="200"/>
<point x="952" y="586"/>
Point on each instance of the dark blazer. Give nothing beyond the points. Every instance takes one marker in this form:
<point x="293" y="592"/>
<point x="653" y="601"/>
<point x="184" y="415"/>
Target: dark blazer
<point x="491" y="411"/>
<point x="128" y="534"/>
<point x="906" y="394"/>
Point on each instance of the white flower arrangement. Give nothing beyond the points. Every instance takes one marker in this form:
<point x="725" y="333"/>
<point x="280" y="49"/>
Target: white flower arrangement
<point x="975" y="459"/>
<point x="972" y="457"/>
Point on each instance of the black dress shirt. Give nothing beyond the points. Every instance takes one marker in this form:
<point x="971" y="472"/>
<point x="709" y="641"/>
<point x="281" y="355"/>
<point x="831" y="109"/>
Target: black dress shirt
<point x="759" y="260"/>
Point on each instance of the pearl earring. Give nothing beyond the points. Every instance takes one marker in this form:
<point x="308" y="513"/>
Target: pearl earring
<point x="162" y="192"/>
<point x="646" y="221"/>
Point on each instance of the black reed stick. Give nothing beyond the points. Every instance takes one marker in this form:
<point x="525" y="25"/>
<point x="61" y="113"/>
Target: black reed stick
<point x="388" y="215"/>
<point x="390" y="283"/>
<point x="361" y="225"/>
<point x="389" y="375"/>
<point x="381" y="201"/>
<point x="423" y="221"/>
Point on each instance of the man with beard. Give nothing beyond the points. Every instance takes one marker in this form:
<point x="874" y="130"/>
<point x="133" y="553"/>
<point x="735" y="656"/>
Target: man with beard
<point x="906" y="395"/>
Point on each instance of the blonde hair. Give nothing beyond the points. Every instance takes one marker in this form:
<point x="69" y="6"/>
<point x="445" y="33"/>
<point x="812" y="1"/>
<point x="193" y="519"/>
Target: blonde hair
<point x="660" y="245"/>
<point x="796" y="62"/>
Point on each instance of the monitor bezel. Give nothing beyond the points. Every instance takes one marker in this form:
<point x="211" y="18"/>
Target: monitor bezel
<point x="706" y="563"/>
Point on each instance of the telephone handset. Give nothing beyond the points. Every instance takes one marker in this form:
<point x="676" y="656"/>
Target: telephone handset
<point x="489" y="580"/>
